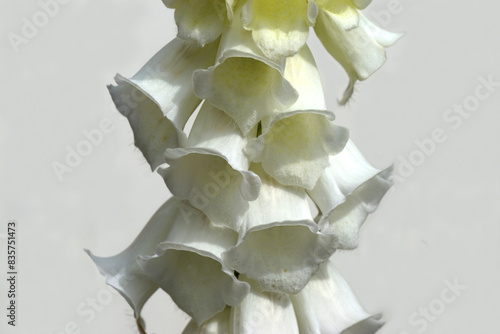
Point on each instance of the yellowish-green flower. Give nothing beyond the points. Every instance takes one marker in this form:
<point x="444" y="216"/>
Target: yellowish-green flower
<point x="279" y="27"/>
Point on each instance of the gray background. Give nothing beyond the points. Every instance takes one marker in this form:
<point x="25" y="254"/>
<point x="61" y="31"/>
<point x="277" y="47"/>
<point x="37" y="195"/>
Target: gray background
<point x="439" y="224"/>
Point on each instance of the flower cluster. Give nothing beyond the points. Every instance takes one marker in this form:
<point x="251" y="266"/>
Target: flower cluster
<point x="266" y="187"/>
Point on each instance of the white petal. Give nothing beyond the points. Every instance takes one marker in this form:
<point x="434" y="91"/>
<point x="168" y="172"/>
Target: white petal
<point x="279" y="28"/>
<point x="213" y="177"/>
<point x="360" y="50"/>
<point x="205" y="178"/>
<point x="244" y="83"/>
<point x="345" y="220"/>
<point x="202" y="21"/>
<point x="348" y="170"/>
<point x="167" y="77"/>
<point x="219" y="324"/>
<point x="159" y="99"/>
<point x="153" y="132"/>
<point x="295" y="148"/>
<point x="327" y="304"/>
<point x="282" y="257"/>
<point x="215" y="130"/>
<point x="264" y="312"/>
<point x="381" y="36"/>
<point x="122" y="271"/>
<point x="188" y="267"/>
<point x="346" y="193"/>
<point x="236" y="41"/>
<point x="276" y="203"/>
<point x="193" y="230"/>
<point x="279" y="245"/>
<point x="199" y="284"/>
<point x="302" y="72"/>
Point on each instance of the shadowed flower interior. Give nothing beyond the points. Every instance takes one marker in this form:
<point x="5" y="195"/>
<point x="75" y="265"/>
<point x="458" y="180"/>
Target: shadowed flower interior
<point x="237" y="246"/>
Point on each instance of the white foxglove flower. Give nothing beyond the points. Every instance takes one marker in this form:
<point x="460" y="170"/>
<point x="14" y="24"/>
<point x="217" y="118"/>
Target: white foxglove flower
<point x="188" y="266"/>
<point x="279" y="246"/>
<point x="355" y="42"/>
<point x="346" y="193"/>
<point x="122" y="271"/>
<point x="211" y="173"/>
<point x="177" y="235"/>
<point x="159" y="100"/>
<point x="290" y="154"/>
<point x="286" y="148"/>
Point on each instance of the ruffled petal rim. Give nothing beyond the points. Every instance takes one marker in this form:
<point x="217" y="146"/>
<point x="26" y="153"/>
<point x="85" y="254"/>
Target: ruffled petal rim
<point x="122" y="271"/>
<point x="196" y="280"/>
<point x="153" y="132"/>
<point x="281" y="256"/>
<point x="207" y="180"/>
<point x="290" y="154"/>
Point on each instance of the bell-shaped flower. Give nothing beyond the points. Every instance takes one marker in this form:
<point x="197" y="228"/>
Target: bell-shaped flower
<point x="279" y="244"/>
<point x="288" y="151"/>
<point x="244" y="83"/>
<point x="122" y="271"/>
<point x="294" y="145"/>
<point x="188" y="266"/>
<point x="202" y="21"/>
<point x="354" y="41"/>
<point x="159" y="99"/>
<point x="279" y="28"/>
<point x="212" y="172"/>
<point x="349" y="190"/>
<point x="328" y="305"/>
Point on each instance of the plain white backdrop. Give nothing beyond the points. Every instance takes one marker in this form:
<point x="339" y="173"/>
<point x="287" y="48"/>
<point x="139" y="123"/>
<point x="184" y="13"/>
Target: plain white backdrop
<point x="428" y="258"/>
